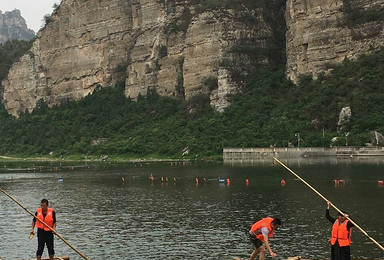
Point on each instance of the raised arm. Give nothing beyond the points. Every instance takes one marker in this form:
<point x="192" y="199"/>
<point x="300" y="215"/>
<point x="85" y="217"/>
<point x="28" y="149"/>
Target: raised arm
<point x="332" y="220"/>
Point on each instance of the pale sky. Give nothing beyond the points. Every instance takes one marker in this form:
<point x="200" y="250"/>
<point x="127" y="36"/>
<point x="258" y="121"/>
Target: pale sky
<point x="33" y="11"/>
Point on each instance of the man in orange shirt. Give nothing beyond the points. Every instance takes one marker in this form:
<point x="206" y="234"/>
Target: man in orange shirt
<point x="259" y="234"/>
<point x="44" y="234"/>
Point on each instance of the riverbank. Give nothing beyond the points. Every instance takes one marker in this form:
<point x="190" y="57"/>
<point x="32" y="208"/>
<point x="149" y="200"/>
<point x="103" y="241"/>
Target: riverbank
<point x="79" y="158"/>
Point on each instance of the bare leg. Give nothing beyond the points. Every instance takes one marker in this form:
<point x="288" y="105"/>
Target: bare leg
<point x="38" y="257"/>
<point x="51" y="257"/>
<point x="254" y="254"/>
<point x="262" y="252"/>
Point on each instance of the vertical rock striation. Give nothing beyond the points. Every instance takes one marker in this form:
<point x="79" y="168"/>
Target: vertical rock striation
<point x="171" y="47"/>
<point x="80" y="47"/>
<point x="328" y="31"/>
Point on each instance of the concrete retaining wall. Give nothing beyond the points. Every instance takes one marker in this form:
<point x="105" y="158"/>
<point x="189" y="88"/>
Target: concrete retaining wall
<point x="230" y="154"/>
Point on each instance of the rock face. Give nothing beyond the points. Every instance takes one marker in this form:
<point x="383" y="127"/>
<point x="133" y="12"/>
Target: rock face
<point x="14" y="27"/>
<point x="328" y="31"/>
<point x="376" y="139"/>
<point x="344" y="119"/>
<point x="182" y="49"/>
<point x="80" y="47"/>
<point x="182" y="52"/>
<point x="169" y="47"/>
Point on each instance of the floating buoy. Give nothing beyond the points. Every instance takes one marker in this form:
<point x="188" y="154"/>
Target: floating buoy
<point x="381" y="183"/>
<point x="282" y="182"/>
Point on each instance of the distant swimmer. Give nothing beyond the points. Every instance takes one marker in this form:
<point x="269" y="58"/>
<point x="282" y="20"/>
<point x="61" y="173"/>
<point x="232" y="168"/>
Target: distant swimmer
<point x="259" y="234"/>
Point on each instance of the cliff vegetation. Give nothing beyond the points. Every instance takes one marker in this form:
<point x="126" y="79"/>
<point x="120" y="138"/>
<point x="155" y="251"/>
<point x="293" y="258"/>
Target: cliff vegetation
<point x="269" y="112"/>
<point x="10" y="52"/>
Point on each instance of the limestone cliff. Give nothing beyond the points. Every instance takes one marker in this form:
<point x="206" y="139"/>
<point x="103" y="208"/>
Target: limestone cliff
<point x="14" y="27"/>
<point x="328" y="31"/>
<point x="185" y="48"/>
<point x="79" y="48"/>
<point x="171" y="47"/>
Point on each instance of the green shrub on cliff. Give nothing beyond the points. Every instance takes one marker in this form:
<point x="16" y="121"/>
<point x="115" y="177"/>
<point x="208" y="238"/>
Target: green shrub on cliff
<point x="10" y="52"/>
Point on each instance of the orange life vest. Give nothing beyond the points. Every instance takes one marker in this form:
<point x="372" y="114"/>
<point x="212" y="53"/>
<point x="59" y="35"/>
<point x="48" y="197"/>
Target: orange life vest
<point x="340" y="233"/>
<point x="265" y="222"/>
<point x="48" y="219"/>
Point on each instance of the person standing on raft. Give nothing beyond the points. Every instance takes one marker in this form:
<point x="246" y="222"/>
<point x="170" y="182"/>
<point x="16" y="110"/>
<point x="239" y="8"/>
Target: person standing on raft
<point x="44" y="234"/>
<point x="259" y="234"/>
<point x="341" y="235"/>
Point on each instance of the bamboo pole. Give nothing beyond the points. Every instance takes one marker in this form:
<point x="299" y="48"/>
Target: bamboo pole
<point x="324" y="198"/>
<point x="45" y="224"/>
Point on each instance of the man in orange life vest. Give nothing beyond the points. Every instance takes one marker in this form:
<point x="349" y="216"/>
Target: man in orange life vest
<point x="259" y="234"/>
<point x="341" y="236"/>
<point x="44" y="234"/>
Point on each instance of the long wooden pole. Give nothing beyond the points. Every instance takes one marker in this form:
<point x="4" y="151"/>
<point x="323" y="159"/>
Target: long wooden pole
<point x="324" y="198"/>
<point x="46" y="225"/>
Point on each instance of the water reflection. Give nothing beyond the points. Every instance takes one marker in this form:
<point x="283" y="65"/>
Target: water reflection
<point x="137" y="218"/>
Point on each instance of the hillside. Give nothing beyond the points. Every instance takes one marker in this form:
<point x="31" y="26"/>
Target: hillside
<point x="270" y="111"/>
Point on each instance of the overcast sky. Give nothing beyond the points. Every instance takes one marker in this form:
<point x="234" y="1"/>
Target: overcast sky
<point x="33" y="11"/>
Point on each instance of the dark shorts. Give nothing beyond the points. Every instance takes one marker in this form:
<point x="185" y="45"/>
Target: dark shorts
<point x="44" y="237"/>
<point x="256" y="242"/>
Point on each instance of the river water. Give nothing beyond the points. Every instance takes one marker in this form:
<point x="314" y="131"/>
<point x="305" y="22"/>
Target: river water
<point x="105" y="217"/>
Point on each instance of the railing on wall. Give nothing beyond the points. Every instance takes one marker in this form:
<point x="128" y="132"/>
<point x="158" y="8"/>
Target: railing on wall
<point x="285" y="152"/>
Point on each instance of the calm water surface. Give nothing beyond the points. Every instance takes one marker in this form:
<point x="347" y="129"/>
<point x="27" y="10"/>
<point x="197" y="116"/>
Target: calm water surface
<point x="106" y="218"/>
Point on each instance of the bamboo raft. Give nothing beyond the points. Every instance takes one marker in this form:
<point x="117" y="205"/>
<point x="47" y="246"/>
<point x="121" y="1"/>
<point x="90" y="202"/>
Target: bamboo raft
<point x="56" y="258"/>
<point x="289" y="258"/>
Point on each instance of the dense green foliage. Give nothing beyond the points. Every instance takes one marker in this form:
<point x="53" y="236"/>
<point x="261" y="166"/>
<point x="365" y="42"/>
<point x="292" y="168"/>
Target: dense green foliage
<point x="270" y="112"/>
<point x="10" y="52"/>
